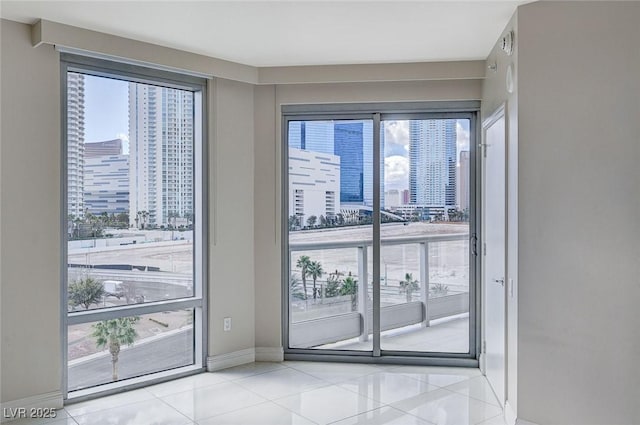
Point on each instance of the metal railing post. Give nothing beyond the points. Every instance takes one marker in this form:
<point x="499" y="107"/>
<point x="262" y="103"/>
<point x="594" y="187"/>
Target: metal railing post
<point x="424" y="281"/>
<point x="363" y="299"/>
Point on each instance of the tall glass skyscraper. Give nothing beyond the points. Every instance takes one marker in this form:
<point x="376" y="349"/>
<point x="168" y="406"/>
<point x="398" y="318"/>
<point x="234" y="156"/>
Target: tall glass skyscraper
<point x="161" y="140"/>
<point x="432" y="162"/>
<point x="349" y="146"/>
<point x="352" y="141"/>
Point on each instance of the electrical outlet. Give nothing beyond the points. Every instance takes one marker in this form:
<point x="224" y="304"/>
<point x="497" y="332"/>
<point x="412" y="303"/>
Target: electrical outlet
<point x="227" y="324"/>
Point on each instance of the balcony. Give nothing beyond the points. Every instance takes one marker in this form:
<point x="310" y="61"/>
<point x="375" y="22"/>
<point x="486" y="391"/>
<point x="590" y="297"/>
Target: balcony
<point x="432" y="317"/>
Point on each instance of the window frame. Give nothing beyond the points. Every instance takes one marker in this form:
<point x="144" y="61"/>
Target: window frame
<point x="378" y="112"/>
<point x="151" y="76"/>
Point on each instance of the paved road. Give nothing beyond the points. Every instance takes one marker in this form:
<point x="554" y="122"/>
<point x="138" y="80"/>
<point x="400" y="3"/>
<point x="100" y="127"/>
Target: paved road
<point x="164" y="353"/>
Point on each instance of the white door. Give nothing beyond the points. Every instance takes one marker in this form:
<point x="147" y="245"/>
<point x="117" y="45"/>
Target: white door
<point x="493" y="276"/>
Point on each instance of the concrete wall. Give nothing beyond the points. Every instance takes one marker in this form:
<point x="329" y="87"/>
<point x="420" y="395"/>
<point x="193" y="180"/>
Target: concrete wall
<point x="30" y="208"/>
<point x="579" y="203"/>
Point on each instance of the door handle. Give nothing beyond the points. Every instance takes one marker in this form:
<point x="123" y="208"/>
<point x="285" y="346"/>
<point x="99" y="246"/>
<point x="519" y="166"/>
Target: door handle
<point x="500" y="281"/>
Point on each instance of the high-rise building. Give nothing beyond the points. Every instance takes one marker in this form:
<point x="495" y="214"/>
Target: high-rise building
<point x="406" y="197"/>
<point x="432" y="162"/>
<point x="314" y="184"/>
<point x="75" y="144"/>
<point x="316" y="136"/>
<point x="392" y="198"/>
<point x="352" y="141"/>
<point x="349" y="146"/>
<point x="108" y="147"/>
<point x="161" y="153"/>
<point x="463" y="181"/>
<point x="106" y="178"/>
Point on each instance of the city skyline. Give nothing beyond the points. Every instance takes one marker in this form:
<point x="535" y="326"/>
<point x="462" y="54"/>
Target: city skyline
<point x="108" y="97"/>
<point x="147" y="168"/>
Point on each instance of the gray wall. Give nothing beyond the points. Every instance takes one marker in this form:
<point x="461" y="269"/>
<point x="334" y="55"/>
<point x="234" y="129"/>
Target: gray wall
<point x="579" y="204"/>
<point x="30" y="209"/>
<point x="231" y="214"/>
<point x="573" y="340"/>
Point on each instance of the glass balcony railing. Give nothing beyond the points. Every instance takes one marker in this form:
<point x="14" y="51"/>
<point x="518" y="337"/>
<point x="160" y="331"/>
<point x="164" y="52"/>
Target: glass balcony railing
<point x="424" y="282"/>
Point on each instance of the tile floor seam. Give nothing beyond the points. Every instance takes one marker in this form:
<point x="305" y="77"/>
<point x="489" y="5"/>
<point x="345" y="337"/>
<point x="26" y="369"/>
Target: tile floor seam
<point x="501" y="415"/>
<point x="253" y="374"/>
<point x="190" y="389"/>
<point x="129" y="404"/>
<point x="358" y="414"/>
<point x="179" y="412"/>
<point x="327" y="384"/>
<point x="303" y="371"/>
<point x="381" y="407"/>
<point x="223" y="413"/>
<point x="267" y="401"/>
<point x="107" y="408"/>
<point x="497" y="403"/>
<point x="230" y="411"/>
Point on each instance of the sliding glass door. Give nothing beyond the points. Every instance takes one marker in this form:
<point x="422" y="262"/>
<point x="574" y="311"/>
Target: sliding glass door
<point x="330" y="232"/>
<point x="380" y="253"/>
<point x="133" y="280"/>
<point x="425" y="276"/>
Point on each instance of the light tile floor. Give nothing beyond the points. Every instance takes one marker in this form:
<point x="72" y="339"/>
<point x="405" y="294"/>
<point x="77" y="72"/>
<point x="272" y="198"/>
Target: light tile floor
<point x="299" y="393"/>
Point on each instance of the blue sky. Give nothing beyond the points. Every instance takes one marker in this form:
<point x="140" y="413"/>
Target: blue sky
<point x="106" y="109"/>
<point x="107" y="117"/>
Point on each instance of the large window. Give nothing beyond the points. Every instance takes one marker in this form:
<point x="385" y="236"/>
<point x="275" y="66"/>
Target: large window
<point x="380" y="247"/>
<point x="133" y="280"/>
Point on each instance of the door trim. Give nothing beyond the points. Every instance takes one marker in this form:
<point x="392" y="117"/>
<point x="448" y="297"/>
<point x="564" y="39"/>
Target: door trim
<point x="388" y="110"/>
<point x="499" y="113"/>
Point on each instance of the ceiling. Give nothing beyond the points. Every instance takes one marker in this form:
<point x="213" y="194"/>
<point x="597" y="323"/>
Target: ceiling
<point x="284" y="33"/>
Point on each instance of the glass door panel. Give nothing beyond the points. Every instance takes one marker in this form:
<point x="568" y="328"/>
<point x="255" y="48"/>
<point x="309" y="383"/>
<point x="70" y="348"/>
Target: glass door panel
<point x="330" y="192"/>
<point x="424" y="261"/>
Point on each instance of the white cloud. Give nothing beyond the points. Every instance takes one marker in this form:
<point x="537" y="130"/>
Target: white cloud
<point x="397" y="132"/>
<point x="396" y="138"/>
<point x="462" y="136"/>
<point x="125" y="142"/>
<point x="396" y="172"/>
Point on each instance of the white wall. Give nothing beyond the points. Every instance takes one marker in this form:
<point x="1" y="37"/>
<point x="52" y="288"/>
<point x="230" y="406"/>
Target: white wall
<point x="231" y="217"/>
<point x="30" y="209"/>
<point x="579" y="271"/>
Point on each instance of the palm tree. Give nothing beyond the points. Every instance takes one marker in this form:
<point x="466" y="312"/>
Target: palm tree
<point x="315" y="271"/>
<point x="145" y="218"/>
<point x="294" y="288"/>
<point x="112" y="334"/>
<point x="303" y="265"/>
<point x="350" y="287"/>
<point x="85" y="292"/>
<point x="408" y="285"/>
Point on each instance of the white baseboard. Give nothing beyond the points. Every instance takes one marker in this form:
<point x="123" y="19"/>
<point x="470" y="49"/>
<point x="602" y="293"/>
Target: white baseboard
<point x="269" y="354"/>
<point x="42" y="401"/>
<point x="509" y="414"/>
<point x="236" y="358"/>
